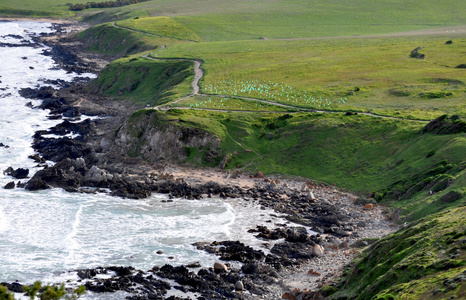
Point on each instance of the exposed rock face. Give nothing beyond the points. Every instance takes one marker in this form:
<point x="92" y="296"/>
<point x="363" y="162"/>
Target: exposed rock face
<point x="445" y="125"/>
<point x="162" y="140"/>
<point x="451" y="196"/>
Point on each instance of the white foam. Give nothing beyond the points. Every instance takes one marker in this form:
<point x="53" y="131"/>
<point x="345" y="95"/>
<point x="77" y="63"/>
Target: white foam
<point x="3" y="221"/>
<point x="44" y="234"/>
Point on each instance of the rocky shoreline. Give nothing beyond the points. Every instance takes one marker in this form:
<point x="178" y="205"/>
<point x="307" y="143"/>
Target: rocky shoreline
<point x="295" y="265"/>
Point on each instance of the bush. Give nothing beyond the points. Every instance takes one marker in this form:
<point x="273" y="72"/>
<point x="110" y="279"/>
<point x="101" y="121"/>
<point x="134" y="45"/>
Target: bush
<point x="106" y="4"/>
<point x="436" y="94"/>
<point x="4" y="294"/>
<point x="328" y="290"/>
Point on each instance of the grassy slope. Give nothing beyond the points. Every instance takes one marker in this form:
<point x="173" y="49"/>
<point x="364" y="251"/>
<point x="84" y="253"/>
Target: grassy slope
<point x="360" y="153"/>
<point x="145" y="81"/>
<point x="390" y="82"/>
<point x="423" y="261"/>
<point x="106" y="39"/>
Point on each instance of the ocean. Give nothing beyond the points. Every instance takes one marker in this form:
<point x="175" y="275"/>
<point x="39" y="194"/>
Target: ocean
<point x="47" y="235"/>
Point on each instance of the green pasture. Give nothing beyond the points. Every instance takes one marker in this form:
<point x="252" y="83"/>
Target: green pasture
<point x="37" y="8"/>
<point x="161" y="26"/>
<point x="351" y="151"/>
<point x="361" y="74"/>
<point x="228" y="103"/>
<point x="222" y="20"/>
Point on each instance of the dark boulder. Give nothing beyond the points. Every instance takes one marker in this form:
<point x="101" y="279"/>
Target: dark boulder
<point x="13" y="287"/>
<point x="36" y="183"/>
<point x="9" y="185"/>
<point x="37" y="158"/>
<point x="44" y="92"/>
<point x="297" y="235"/>
<point x="122" y="271"/>
<point x="19" y="173"/>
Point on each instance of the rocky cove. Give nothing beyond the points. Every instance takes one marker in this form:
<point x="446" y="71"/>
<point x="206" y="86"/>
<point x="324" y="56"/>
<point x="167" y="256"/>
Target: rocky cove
<point x="90" y="157"/>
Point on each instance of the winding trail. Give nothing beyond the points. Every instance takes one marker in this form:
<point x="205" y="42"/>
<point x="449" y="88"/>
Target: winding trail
<point x="199" y="73"/>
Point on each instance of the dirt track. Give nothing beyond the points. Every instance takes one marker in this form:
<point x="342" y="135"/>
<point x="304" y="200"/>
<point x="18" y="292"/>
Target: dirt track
<point x="198" y="72"/>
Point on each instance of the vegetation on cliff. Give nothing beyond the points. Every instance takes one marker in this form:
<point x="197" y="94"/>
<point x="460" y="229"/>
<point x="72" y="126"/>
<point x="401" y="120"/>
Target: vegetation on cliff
<point x="413" y="162"/>
<point x="145" y="81"/>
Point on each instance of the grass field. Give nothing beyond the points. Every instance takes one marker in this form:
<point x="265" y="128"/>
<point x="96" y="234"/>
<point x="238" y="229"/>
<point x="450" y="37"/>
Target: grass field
<point x="237" y="20"/>
<point x="312" y="55"/>
<point x="319" y="74"/>
<point x="229" y="103"/>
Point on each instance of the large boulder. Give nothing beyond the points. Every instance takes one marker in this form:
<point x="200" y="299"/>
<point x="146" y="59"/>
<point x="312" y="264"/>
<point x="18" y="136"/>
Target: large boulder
<point x="220" y="267"/>
<point x="297" y="235"/>
<point x="317" y="250"/>
<point x="96" y="175"/>
<point x="19" y="173"/>
<point x="9" y="185"/>
<point x="35" y="184"/>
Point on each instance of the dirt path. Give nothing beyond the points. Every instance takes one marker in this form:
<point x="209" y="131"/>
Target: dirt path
<point x="199" y="73"/>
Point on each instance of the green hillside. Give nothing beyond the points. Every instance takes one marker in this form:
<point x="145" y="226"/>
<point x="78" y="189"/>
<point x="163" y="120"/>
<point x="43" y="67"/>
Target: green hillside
<point x="329" y="90"/>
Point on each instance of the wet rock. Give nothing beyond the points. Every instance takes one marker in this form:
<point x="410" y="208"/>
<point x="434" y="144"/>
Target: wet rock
<point x="14" y="287"/>
<point x="44" y="92"/>
<point x="87" y="274"/>
<point x="35" y="184"/>
<point x="37" y="158"/>
<point x="10" y="185"/>
<point x="19" y="173"/>
<point x="122" y="271"/>
<point x="193" y="265"/>
<point x="267" y="234"/>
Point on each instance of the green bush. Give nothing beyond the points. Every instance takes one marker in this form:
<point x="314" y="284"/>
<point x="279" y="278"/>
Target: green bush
<point x="4" y="294"/>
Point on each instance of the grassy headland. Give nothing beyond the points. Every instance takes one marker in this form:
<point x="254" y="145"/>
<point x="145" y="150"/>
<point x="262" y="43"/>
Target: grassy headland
<point x="316" y="55"/>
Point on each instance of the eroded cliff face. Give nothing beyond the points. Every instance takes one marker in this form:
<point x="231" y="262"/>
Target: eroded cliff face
<point x="153" y="137"/>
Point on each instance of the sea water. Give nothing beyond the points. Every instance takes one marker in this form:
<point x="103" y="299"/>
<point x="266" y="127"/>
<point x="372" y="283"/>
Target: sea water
<point x="45" y="235"/>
